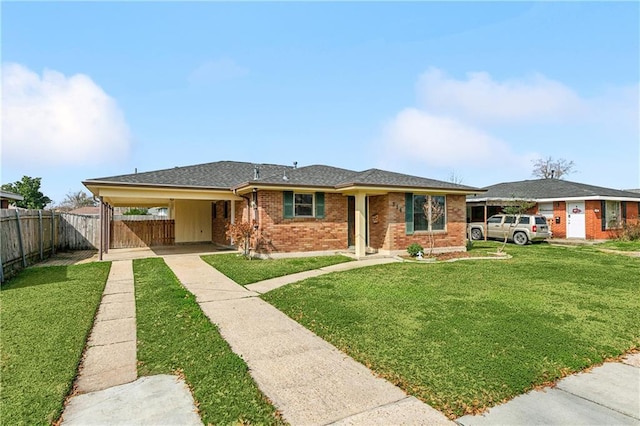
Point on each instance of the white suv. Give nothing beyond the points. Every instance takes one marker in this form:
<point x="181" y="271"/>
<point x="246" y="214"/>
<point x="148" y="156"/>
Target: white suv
<point x="521" y="229"/>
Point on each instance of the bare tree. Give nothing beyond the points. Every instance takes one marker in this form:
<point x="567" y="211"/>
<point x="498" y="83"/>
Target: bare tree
<point x="433" y="211"/>
<point x="75" y="200"/>
<point x="550" y="168"/>
<point x="454" y="177"/>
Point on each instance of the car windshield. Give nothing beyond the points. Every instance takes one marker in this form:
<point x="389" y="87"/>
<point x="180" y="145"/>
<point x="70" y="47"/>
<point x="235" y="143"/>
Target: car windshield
<point x="540" y="221"/>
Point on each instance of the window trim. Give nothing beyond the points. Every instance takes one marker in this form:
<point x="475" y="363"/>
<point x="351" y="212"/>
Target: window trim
<point x="313" y="204"/>
<point x="428" y="198"/>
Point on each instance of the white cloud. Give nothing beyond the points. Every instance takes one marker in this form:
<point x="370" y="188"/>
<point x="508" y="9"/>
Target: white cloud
<point x="57" y="120"/>
<point x="531" y="99"/>
<point x="212" y="72"/>
<point x="440" y="141"/>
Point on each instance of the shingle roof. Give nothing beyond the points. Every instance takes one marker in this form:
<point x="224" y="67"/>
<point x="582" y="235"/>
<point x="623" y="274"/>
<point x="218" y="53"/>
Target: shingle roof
<point x="220" y="174"/>
<point x="550" y="189"/>
<point x="384" y="178"/>
<point x="232" y="174"/>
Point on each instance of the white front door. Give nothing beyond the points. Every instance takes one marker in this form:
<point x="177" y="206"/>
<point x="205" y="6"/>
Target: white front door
<point x="575" y="219"/>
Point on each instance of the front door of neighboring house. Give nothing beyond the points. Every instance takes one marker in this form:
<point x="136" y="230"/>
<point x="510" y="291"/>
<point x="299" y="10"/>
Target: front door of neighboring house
<point x="575" y="219"/>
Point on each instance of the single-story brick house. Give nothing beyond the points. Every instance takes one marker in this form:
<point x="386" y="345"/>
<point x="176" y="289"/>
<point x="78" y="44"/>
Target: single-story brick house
<point x="574" y="210"/>
<point x="315" y="208"/>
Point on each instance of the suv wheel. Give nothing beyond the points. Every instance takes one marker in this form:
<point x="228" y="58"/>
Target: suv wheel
<point x="520" y="238"/>
<point x="476" y="234"/>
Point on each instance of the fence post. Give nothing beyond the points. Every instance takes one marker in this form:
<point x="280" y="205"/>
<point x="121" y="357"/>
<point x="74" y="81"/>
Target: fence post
<point x="53" y="230"/>
<point x="24" y="257"/>
<point x="41" y="235"/>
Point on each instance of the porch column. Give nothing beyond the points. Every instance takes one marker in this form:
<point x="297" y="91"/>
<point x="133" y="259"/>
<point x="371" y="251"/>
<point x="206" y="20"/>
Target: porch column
<point x="486" y="230"/>
<point x="361" y="248"/>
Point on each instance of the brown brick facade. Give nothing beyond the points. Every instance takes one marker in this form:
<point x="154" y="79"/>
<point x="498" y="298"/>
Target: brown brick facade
<point x="279" y="235"/>
<point x="452" y="238"/>
<point x="593" y="219"/>
<point x="386" y="225"/>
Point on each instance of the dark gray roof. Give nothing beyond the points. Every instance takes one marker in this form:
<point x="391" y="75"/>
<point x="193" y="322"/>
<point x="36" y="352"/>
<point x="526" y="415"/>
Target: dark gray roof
<point x="316" y="175"/>
<point x="384" y="178"/>
<point x="221" y="174"/>
<point x="232" y="174"/>
<point x="550" y="188"/>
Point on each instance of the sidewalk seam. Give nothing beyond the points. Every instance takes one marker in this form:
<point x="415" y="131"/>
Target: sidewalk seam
<point x="597" y="403"/>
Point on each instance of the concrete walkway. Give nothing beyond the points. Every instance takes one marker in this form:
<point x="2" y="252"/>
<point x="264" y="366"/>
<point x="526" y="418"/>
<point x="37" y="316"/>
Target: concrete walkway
<point x="310" y="381"/>
<point x="107" y="390"/>
<point x="606" y="395"/>
<point x="110" y="358"/>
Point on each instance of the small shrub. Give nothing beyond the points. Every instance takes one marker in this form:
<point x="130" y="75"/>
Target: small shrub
<point x="414" y="248"/>
<point x="628" y="232"/>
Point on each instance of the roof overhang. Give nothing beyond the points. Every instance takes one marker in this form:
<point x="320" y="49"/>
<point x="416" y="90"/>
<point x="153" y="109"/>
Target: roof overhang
<point x="378" y="190"/>
<point x="135" y="195"/>
<point x="11" y="196"/>
<point x="550" y="200"/>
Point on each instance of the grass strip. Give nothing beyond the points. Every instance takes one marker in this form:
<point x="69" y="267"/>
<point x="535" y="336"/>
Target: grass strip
<point x="175" y="337"/>
<point x="620" y="245"/>
<point x="464" y="336"/>
<point x="247" y="271"/>
<point x="47" y="314"/>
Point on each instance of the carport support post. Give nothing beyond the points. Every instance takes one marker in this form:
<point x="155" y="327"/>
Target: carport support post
<point x="485" y="221"/>
<point x="101" y="229"/>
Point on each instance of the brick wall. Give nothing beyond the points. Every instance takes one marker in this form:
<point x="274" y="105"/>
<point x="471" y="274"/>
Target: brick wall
<point x="219" y="222"/>
<point x="277" y="234"/>
<point x="454" y="237"/>
<point x="386" y="225"/>
<point x="559" y="210"/>
<point x="378" y="220"/>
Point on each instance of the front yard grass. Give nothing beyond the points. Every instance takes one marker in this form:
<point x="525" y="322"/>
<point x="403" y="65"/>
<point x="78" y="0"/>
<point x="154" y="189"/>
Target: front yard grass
<point x="47" y="314"/>
<point x="620" y="245"/>
<point x="467" y="335"/>
<point x="175" y="337"/>
<point x="247" y="271"/>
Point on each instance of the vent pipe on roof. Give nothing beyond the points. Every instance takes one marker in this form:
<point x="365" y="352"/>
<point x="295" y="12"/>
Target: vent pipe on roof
<point x="284" y="176"/>
<point x="256" y="173"/>
<point x="295" y="164"/>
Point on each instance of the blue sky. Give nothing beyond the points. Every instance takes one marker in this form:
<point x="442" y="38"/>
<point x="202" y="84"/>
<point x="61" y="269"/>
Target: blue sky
<point x="426" y="88"/>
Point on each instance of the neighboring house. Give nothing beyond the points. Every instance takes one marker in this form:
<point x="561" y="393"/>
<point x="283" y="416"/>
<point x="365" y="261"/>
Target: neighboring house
<point x="308" y="209"/>
<point x="574" y="210"/>
<point x="86" y="211"/>
<point x="7" y="197"/>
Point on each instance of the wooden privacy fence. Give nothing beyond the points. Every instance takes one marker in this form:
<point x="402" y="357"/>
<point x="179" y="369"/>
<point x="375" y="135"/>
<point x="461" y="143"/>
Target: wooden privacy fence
<point x="29" y="236"/>
<point x="142" y="233"/>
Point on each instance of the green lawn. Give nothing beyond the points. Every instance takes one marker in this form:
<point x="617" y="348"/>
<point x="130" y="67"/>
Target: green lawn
<point x="620" y="245"/>
<point x="466" y="335"/>
<point x="246" y="271"/>
<point x="174" y="336"/>
<point x="47" y="314"/>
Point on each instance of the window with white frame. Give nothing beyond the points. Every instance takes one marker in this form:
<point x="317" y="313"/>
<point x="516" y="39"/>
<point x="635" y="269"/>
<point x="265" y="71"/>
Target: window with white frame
<point x="303" y="205"/>
<point x="612" y="215"/>
<point x="429" y="212"/>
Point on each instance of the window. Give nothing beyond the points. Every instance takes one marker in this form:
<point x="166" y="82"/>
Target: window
<point x="525" y="220"/>
<point x="612" y="217"/>
<point x="495" y="219"/>
<point x="540" y="221"/>
<point x="427" y="207"/>
<point x="510" y="219"/>
<point x="303" y="204"/>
